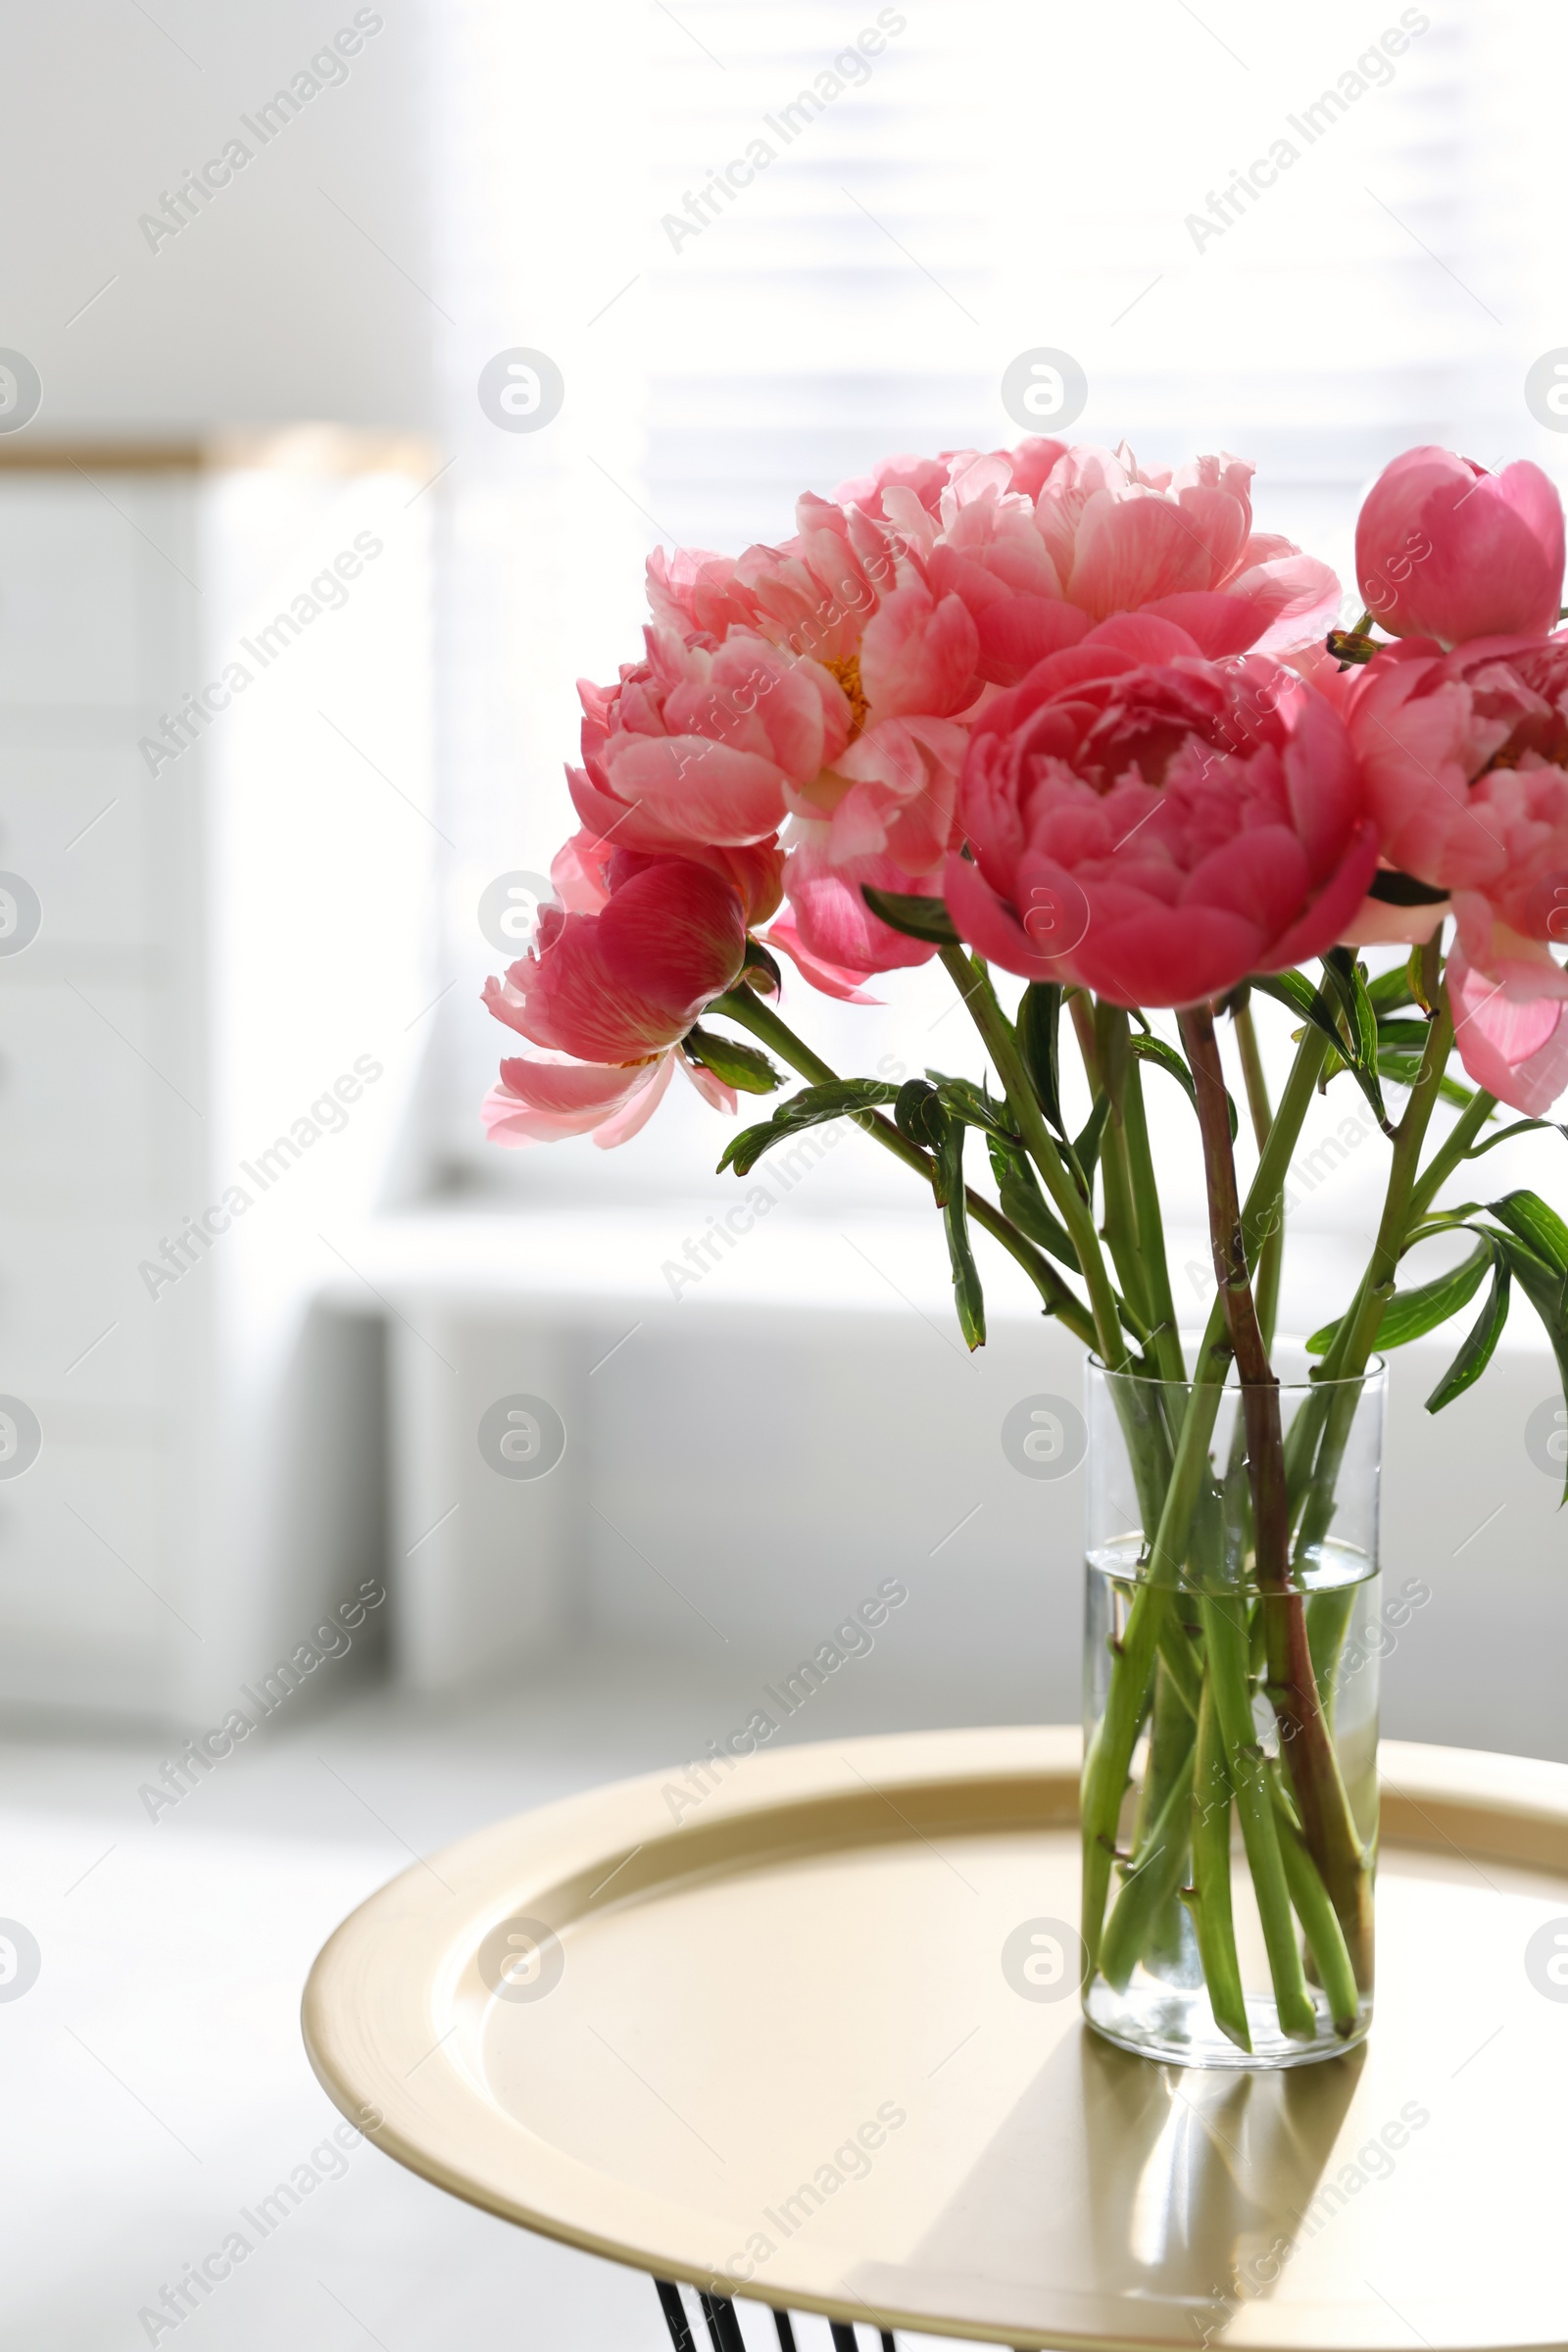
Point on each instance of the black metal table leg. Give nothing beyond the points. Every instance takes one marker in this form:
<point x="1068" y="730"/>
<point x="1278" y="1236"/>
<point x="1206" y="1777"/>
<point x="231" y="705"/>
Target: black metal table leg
<point x="724" y="2328"/>
<point x="675" y="2310"/>
<point x="722" y="2325"/>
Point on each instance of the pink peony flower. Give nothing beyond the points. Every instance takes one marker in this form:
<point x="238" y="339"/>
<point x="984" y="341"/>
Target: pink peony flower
<point x="890" y="793"/>
<point x="609" y="990"/>
<point x="617" y="986"/>
<point x="1103" y="535"/>
<point x="912" y="591"/>
<point x="1465" y="760"/>
<point x="1128" y="540"/>
<point x="1445" y="550"/>
<point x="1156" y="825"/>
<point x="700" y="745"/>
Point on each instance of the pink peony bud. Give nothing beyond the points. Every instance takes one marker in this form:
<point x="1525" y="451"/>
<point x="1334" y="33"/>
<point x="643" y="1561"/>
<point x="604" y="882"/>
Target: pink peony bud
<point x="1445" y="550"/>
<point x="617" y="986"/>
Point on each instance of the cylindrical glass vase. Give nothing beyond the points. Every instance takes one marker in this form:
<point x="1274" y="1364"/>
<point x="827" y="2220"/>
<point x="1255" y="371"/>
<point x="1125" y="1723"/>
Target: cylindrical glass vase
<point x="1230" y="1810"/>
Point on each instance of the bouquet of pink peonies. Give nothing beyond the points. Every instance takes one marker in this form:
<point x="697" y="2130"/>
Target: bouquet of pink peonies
<point x="1045" y="713"/>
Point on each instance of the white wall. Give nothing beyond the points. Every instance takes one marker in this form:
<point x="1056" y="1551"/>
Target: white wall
<point x="296" y="294"/>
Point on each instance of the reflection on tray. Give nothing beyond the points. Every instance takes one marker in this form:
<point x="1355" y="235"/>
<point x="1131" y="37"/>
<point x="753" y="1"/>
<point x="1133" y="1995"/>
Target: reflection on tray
<point x="1115" y="2179"/>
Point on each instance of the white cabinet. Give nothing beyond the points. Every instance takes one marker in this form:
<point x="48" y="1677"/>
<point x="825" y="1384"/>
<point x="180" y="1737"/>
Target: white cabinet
<point x="225" y="818"/>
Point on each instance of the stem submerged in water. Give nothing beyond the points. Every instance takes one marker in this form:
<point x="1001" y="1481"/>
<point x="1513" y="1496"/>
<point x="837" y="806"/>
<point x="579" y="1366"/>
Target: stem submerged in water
<point x="1321" y="1801"/>
<point x="1108" y="1761"/>
<point x="1211" y="1900"/>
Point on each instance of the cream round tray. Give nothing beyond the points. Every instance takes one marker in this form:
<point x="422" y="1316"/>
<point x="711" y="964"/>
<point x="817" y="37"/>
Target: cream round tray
<point x="773" y="2039"/>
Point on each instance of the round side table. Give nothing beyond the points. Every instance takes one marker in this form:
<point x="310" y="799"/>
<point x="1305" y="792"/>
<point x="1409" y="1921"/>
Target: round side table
<point x="805" y="2032"/>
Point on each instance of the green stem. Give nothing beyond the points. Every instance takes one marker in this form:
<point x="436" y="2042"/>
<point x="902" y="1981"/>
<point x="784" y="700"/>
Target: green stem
<point x="748" y="1011"/>
<point x="1272" y="1258"/>
<point x="1108" y="1073"/>
<point x="1320" y="1794"/>
<point x="1226" y="1642"/>
<point x="973" y="983"/>
<point x="1253" y="1070"/>
<point x="1109" y="1759"/>
<point x="1152" y="1874"/>
<point x="1319" y="1921"/>
<point x="1211" y="1900"/>
<point x="1165" y="1338"/>
<point x="1440" y="1166"/>
<point x="1147" y="1441"/>
<point x="1323" y="1425"/>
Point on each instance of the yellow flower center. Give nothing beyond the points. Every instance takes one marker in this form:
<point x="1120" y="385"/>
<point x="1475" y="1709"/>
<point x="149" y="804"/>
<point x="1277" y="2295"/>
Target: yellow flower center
<point x="848" y="673"/>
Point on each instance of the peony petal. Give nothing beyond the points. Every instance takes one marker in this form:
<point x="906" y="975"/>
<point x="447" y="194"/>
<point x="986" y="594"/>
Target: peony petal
<point x="1167" y="955"/>
<point x="1518" y="1052"/>
<point x="689" y="788"/>
<point x="571" y="1088"/>
<point x="832" y="979"/>
<point x="1261" y="875"/>
<point x="636" y="1112"/>
<point x="674" y="937"/>
<point x="918" y="656"/>
<point x="832" y="920"/>
<point x="1129" y="551"/>
<point x="540" y="1102"/>
<point x="1295" y="598"/>
<point x="1333" y="910"/>
<point x="715" y="1093"/>
<point x="1217" y="622"/>
<point x="1017" y="631"/>
<point x="991" y="927"/>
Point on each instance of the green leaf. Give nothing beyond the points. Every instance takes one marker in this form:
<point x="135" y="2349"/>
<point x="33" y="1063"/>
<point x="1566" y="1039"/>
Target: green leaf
<point x="1476" y="1353"/>
<point x="967" y="1294"/>
<point x="1410" y="1313"/>
<point x="1295" y="991"/>
<point x="1165" y="1057"/>
<point x="1542" y="1286"/>
<point x="915" y="915"/>
<point x="762" y="969"/>
<point x="1405" y="1068"/>
<point x="1415" y="984"/>
<point x="973" y="1104"/>
<point x="738" y="1065"/>
<point x="1348" y="981"/>
<point x="1390" y="991"/>
<point x="1527" y="1215"/>
<point x="1355" y="1041"/>
<point x="810" y="1107"/>
<point x="1390" y="888"/>
<point x="1411" y="1036"/>
<point x="918" y="1112"/>
<point x="1086" y="1146"/>
<point x="1039" y="1025"/>
<point x="1516" y="1127"/>
<point x="1018" y="1189"/>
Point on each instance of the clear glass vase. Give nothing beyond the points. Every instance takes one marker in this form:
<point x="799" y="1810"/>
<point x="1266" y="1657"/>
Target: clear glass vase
<point x="1230" y="1808"/>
